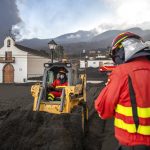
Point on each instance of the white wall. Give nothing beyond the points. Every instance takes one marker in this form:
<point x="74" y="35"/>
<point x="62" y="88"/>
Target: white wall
<point x="20" y="67"/>
<point x="35" y="65"/>
<point x="1" y="73"/>
<point x="95" y="63"/>
<point x="20" y="64"/>
<point x="82" y="64"/>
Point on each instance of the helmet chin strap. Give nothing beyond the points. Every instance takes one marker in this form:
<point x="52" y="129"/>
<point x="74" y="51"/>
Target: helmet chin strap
<point x="118" y="60"/>
<point x="119" y="56"/>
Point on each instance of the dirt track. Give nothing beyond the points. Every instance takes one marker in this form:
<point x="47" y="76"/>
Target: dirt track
<point x="20" y="128"/>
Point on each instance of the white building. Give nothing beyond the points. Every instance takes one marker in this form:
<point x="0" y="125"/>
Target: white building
<point x="19" y="63"/>
<point x="95" y="63"/>
<point x="82" y="64"/>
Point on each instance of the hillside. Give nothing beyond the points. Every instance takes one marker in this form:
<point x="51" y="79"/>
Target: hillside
<point x="76" y="42"/>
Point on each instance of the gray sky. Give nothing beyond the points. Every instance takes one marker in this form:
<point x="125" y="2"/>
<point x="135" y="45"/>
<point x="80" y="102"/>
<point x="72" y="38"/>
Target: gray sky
<point x="8" y="16"/>
<point x="51" y="18"/>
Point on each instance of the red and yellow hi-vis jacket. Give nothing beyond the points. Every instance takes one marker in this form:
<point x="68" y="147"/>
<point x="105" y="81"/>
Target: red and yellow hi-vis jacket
<point x="57" y="83"/>
<point x="114" y="100"/>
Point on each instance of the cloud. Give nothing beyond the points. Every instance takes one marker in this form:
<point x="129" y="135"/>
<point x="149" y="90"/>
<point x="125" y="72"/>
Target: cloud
<point x="8" y="16"/>
<point x="47" y="19"/>
<point x="72" y="36"/>
<point x="126" y="14"/>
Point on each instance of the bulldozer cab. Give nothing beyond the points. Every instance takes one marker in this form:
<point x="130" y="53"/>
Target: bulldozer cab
<point x="71" y="95"/>
<point x="52" y="73"/>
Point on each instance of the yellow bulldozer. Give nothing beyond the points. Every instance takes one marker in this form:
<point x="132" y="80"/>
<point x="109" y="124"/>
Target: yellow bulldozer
<point x="72" y="96"/>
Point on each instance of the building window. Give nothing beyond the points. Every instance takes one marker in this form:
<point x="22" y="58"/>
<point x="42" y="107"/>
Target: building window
<point x="8" y="55"/>
<point x="8" y="43"/>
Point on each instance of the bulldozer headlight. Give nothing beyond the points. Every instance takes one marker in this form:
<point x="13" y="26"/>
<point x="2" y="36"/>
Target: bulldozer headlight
<point x="46" y="65"/>
<point x="68" y="65"/>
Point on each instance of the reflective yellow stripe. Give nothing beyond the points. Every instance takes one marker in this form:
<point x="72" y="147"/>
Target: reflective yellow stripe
<point x="127" y="111"/>
<point x="121" y="124"/>
<point x="144" y="130"/>
<point x="120" y="46"/>
<point x="143" y="112"/>
<point x="50" y="98"/>
<point x="120" y="40"/>
<point x="60" y="86"/>
<point x="51" y="95"/>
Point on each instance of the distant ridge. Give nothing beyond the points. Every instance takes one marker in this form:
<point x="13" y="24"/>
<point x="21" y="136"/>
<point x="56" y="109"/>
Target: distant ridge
<point x="77" y="41"/>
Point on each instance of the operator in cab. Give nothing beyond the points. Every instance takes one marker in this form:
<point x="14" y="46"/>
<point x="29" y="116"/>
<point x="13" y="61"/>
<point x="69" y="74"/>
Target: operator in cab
<point x="57" y="86"/>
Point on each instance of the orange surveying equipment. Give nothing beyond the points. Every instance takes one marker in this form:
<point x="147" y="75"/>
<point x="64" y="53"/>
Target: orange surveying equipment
<point x="106" y="68"/>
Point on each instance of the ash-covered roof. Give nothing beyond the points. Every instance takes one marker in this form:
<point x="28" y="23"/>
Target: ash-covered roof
<point x="33" y="51"/>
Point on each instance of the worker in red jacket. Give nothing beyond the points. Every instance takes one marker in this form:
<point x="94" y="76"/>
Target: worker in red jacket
<point x="57" y="85"/>
<point x="127" y="93"/>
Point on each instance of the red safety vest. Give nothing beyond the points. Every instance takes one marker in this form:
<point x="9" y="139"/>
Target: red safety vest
<point x="115" y="100"/>
<point x="57" y="84"/>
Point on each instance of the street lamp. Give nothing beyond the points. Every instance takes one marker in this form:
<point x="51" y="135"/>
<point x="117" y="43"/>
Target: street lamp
<point x="84" y="56"/>
<point x="52" y="46"/>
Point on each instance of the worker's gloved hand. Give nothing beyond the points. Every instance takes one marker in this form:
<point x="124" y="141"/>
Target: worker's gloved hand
<point x="51" y="87"/>
<point x="58" y="89"/>
<point x="107" y="82"/>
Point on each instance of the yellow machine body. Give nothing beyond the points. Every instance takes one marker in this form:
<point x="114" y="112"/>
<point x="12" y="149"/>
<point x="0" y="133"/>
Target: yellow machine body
<point x="73" y="97"/>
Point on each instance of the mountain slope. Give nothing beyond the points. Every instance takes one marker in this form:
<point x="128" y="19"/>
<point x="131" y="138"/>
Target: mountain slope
<point x="75" y="42"/>
<point x="79" y="36"/>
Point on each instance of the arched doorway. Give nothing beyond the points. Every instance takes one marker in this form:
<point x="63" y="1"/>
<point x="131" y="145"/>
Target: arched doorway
<point x="8" y="73"/>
